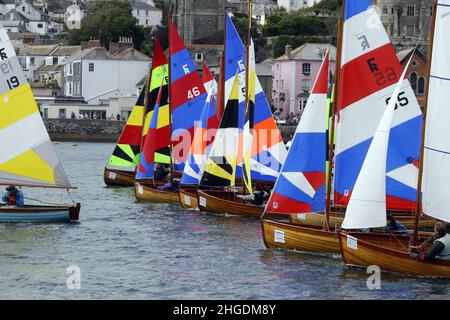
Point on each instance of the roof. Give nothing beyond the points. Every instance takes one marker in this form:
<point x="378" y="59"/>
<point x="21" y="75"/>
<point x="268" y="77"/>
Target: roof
<point x="100" y="53"/>
<point x="144" y="6"/>
<point x="66" y="51"/>
<point x="405" y="53"/>
<point x="47" y="68"/>
<point x="13" y="15"/>
<point x="310" y="51"/>
<point x="39" y="50"/>
<point x="8" y="1"/>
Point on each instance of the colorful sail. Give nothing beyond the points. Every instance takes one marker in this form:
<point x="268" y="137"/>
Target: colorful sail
<point x="208" y="79"/>
<point x="221" y="88"/>
<point x="126" y="154"/>
<point x="198" y="153"/>
<point x="220" y="168"/>
<point x="300" y="187"/>
<point x="367" y="205"/>
<point x="370" y="71"/>
<point x="187" y="98"/>
<point x="27" y="155"/>
<point x="159" y="77"/>
<point x="436" y="169"/>
<point x="268" y="149"/>
<point x="157" y="137"/>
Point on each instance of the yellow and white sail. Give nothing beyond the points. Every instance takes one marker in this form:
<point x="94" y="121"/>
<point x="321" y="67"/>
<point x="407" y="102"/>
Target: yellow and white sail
<point x="27" y="156"/>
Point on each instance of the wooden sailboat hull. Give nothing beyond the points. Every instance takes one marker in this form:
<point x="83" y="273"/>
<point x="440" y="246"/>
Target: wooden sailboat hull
<point x="219" y="201"/>
<point x="289" y="236"/>
<point x="317" y="219"/>
<point x="389" y="255"/>
<point x="118" y="178"/>
<point x="189" y="198"/>
<point x="150" y="193"/>
<point x="31" y="213"/>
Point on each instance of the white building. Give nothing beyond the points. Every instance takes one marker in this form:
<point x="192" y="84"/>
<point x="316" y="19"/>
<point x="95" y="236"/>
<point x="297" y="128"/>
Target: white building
<point x="6" y="6"/>
<point x="146" y="13"/>
<point x="94" y="74"/>
<point x="290" y="5"/>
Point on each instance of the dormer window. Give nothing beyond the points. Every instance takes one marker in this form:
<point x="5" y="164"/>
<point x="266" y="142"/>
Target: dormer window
<point x="199" y="56"/>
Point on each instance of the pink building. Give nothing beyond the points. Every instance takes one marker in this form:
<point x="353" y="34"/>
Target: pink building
<point x="294" y="74"/>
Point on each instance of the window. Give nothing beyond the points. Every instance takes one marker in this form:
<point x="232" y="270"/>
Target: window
<point x="306" y="85"/>
<point x="421" y="85"/>
<point x="410" y="30"/>
<point x="302" y="104"/>
<point x="282" y="85"/>
<point x="392" y="10"/>
<point x="23" y="8"/>
<point x="199" y="56"/>
<point x="385" y="10"/>
<point x="91" y="67"/>
<point x="40" y="25"/>
<point x="70" y="88"/>
<point x="413" y="80"/>
<point x="146" y="22"/>
<point x="410" y="11"/>
<point x="146" y="12"/>
<point x="306" y="69"/>
<point x="32" y="61"/>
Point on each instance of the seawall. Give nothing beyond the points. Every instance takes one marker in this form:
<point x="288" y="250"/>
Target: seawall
<point x="88" y="130"/>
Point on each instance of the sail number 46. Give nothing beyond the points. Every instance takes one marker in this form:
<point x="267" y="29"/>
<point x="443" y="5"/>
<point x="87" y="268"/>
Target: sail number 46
<point x="194" y="92"/>
<point x="401" y="99"/>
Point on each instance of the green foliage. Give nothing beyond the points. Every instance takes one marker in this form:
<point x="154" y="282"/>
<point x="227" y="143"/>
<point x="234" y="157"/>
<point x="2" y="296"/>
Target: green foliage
<point x="279" y="43"/>
<point x="241" y="24"/>
<point x="107" y="22"/>
<point x="328" y="5"/>
<point x="292" y="24"/>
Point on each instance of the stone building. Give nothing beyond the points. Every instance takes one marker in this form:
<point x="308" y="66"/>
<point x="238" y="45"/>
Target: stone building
<point x="407" y="21"/>
<point x="198" y="19"/>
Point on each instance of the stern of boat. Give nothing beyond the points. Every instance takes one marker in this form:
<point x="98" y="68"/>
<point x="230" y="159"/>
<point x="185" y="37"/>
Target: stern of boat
<point x="74" y="212"/>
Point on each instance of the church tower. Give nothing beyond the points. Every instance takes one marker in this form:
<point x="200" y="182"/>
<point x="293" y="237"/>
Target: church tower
<point x="200" y="21"/>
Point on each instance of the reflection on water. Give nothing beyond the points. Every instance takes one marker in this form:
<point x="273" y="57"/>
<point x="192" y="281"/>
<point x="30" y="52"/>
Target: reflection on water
<point x="132" y="250"/>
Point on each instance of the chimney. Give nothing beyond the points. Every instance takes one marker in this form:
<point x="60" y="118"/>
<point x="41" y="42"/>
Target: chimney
<point x="92" y="43"/>
<point x="123" y="44"/>
<point x="288" y="50"/>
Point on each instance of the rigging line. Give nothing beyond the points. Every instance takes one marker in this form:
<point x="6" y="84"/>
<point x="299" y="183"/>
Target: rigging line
<point x="436" y="150"/>
<point x="398" y="240"/>
<point x="70" y="195"/>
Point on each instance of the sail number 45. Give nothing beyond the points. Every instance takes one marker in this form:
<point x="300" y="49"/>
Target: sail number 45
<point x="194" y="92"/>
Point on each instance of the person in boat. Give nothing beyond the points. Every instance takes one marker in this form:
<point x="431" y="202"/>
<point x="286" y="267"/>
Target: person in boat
<point x="161" y="171"/>
<point x="394" y="225"/>
<point x="13" y="197"/>
<point x="441" y="245"/>
<point x="257" y="197"/>
<point x="171" y="185"/>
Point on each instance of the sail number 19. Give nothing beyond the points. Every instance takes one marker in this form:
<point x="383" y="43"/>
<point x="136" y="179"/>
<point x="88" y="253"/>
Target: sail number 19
<point x="13" y="82"/>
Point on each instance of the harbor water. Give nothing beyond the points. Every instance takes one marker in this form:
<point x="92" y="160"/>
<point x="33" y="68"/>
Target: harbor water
<point x="123" y="249"/>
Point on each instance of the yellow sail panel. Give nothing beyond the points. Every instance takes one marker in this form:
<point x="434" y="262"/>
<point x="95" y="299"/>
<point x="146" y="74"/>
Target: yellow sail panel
<point x="15" y="105"/>
<point x="136" y="116"/>
<point x="30" y="165"/>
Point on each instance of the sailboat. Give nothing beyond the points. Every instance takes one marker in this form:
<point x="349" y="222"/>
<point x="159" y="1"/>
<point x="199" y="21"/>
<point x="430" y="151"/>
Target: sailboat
<point x="121" y="167"/>
<point x="27" y="157"/>
<point x="369" y="71"/>
<point x="367" y="208"/>
<point x="173" y="124"/>
<point x="265" y="151"/>
<point x="199" y="149"/>
<point x="300" y="188"/>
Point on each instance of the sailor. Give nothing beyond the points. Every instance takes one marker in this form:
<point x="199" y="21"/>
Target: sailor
<point x="13" y="197"/>
<point x="171" y="185"/>
<point x="161" y="171"/>
<point x="394" y="226"/>
<point x="441" y="245"/>
<point x="257" y="197"/>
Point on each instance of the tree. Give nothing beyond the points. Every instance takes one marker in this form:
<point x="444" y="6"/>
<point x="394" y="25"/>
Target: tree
<point x="108" y="21"/>
<point x="241" y="24"/>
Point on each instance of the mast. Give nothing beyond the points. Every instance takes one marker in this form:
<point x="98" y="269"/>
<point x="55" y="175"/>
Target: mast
<point x="247" y="67"/>
<point x="170" y="92"/>
<point x="424" y="122"/>
<point x="337" y="76"/>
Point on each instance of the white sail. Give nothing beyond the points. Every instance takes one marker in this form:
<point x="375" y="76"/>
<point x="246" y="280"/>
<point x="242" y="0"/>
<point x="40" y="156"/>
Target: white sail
<point x="27" y="156"/>
<point x="436" y="174"/>
<point x="367" y="204"/>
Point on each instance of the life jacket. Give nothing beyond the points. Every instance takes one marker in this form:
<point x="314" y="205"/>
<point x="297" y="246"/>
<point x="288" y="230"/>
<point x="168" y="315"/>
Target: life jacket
<point x="11" y="199"/>
<point x="258" y="198"/>
<point x="445" y="254"/>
